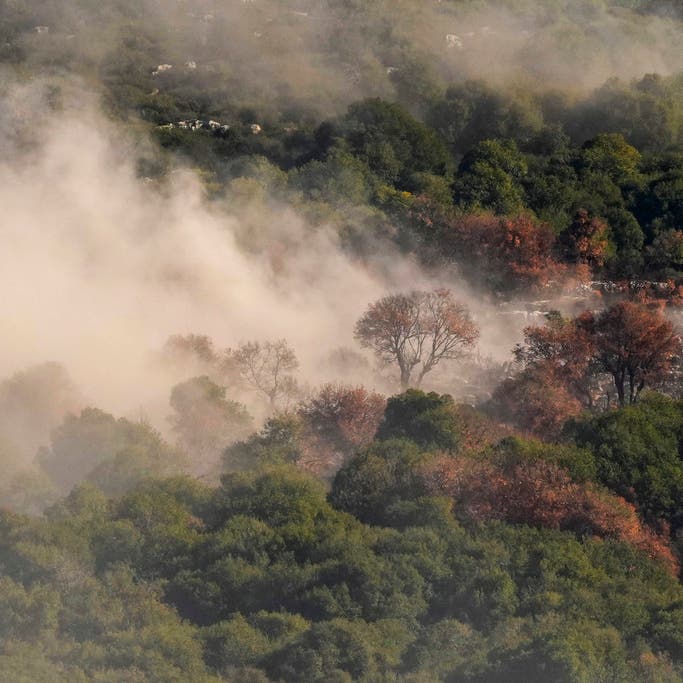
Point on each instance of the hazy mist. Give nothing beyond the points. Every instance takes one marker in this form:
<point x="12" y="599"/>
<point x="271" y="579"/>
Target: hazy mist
<point x="319" y="55"/>
<point x="99" y="266"/>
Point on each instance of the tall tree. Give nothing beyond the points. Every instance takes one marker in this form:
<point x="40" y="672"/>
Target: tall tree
<point x="417" y="330"/>
<point x="561" y="349"/>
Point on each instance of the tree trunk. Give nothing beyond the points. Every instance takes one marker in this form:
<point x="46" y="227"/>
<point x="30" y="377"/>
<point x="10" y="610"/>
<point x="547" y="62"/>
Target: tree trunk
<point x="619" y="380"/>
<point x="633" y="393"/>
<point x="421" y="376"/>
<point x="405" y="378"/>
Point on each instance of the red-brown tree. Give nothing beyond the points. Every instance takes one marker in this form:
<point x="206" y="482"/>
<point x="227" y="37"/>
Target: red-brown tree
<point x="504" y="253"/>
<point x="536" y="401"/>
<point x="336" y="422"/>
<point x="635" y="346"/>
<point x="349" y="416"/>
<point x="586" y="240"/>
<point x="542" y="494"/>
<point x="417" y="331"/>
<point x="561" y="352"/>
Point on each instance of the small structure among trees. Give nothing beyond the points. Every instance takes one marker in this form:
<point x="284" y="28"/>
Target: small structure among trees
<point x="417" y="331"/>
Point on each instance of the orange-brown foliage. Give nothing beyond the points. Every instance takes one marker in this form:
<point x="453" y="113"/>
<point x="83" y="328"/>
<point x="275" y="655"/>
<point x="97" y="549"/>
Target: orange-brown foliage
<point x="506" y="253"/>
<point x="349" y="414"/>
<point x="541" y="494"/>
<point x="519" y="249"/>
<point x="585" y="241"/>
<point x="336" y="422"/>
<point x="560" y="352"/>
<point x="476" y="430"/>
<point x="536" y="401"/>
<point x="634" y="344"/>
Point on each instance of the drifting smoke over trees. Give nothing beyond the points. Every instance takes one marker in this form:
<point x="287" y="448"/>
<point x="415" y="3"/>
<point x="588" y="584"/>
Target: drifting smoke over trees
<point x="204" y="421"/>
<point x="419" y="269"/>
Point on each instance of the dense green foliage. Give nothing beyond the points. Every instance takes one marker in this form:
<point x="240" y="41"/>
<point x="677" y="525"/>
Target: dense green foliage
<point x="270" y="578"/>
<point x="402" y="571"/>
<point x="637" y="452"/>
<point x="426" y="419"/>
<point x="399" y="571"/>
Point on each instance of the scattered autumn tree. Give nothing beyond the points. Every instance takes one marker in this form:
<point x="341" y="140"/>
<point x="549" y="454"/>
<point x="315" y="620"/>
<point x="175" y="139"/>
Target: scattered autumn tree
<point x="505" y="254"/>
<point x="630" y="343"/>
<point x="518" y="251"/>
<point x="637" y="346"/>
<point x="318" y="435"/>
<point x="536" y="401"/>
<point x="560" y="352"/>
<point x="417" y="330"/>
<point x="560" y="376"/>
<point x="476" y="430"/>
<point x="345" y="416"/>
<point x="265" y="367"/>
<point x="585" y="240"/>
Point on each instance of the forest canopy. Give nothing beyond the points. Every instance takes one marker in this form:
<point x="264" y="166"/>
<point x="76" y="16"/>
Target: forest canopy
<point x="341" y="341"/>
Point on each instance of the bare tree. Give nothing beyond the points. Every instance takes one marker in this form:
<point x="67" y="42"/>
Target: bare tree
<point x="266" y="368"/>
<point x="417" y="331"/>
